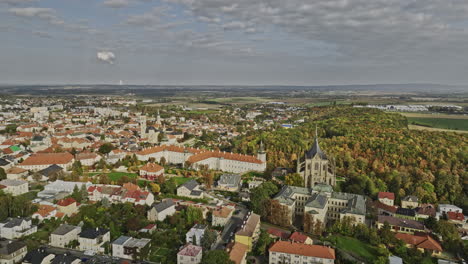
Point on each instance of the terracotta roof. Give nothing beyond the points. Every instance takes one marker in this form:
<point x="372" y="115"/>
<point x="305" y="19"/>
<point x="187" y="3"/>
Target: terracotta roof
<point x="151" y="167"/>
<point x="130" y="186"/>
<point x="385" y="207"/>
<point x="45" y="210"/>
<point x="86" y="155"/>
<point x="250" y="225"/>
<point x="238" y="252"/>
<point x="455" y="216"/>
<point x="278" y="233"/>
<point x="217" y="154"/>
<point x="426" y="209"/>
<point x="15" y="170"/>
<point x="420" y="241"/>
<point x="388" y="195"/>
<point x="303" y="249"/>
<point x="66" y="202"/>
<point x="298" y="237"/>
<point x="172" y="148"/>
<point x="48" y="158"/>
<point x="190" y="250"/>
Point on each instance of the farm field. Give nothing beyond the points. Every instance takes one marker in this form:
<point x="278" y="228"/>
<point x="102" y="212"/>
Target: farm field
<point x="443" y="123"/>
<point x="438" y="116"/>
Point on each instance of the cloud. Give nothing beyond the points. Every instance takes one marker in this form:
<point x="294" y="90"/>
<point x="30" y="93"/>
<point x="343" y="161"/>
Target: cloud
<point x="47" y="14"/>
<point x="16" y="2"/>
<point x="106" y="56"/>
<point x="117" y="3"/>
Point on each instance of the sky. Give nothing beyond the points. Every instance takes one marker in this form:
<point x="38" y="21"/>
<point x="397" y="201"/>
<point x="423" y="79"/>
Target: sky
<point x="233" y="42"/>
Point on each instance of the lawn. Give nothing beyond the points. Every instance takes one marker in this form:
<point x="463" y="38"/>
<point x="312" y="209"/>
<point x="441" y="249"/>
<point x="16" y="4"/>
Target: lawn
<point x="355" y="247"/>
<point x="159" y="254"/>
<point x="445" y="123"/>
<point x="115" y="176"/>
<point x="181" y="180"/>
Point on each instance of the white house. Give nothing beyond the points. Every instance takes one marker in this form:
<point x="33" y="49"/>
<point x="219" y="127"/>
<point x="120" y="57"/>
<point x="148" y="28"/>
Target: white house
<point x="190" y="254"/>
<point x="12" y="251"/>
<point x="128" y="247"/>
<point x="63" y="235"/>
<point x="160" y="211"/>
<point x="41" y="161"/>
<point x="92" y="239"/>
<point x="16" y="227"/>
<point x="14" y="187"/>
<point x="190" y="189"/>
<point x="195" y="234"/>
<point x="286" y="252"/>
<point x="221" y="216"/>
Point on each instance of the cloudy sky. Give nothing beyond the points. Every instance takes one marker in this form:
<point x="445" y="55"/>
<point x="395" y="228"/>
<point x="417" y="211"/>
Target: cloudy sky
<point x="297" y="42"/>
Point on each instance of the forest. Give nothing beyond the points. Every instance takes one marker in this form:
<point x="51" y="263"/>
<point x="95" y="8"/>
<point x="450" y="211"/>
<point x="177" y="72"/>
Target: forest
<point x="373" y="151"/>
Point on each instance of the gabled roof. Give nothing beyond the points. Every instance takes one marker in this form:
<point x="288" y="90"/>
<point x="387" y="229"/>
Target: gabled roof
<point x="192" y="184"/>
<point x="8" y="247"/>
<point x="298" y="237"/>
<point x="388" y="195"/>
<point x="455" y="216"/>
<point x="420" y="241"/>
<point x="48" y="158"/>
<point x="303" y="249"/>
<point x="163" y="205"/>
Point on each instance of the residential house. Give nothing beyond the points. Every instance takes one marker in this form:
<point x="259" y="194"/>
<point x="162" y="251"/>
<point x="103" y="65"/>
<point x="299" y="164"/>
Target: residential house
<point x="422" y="242"/>
<point x="46" y="211"/>
<point x="39" y="161"/>
<point x="238" y="253"/>
<point x="190" y="189"/>
<point x="299" y="237"/>
<point x="151" y="171"/>
<point x="128" y="247"/>
<point x="229" y="182"/>
<point x="286" y="252"/>
<point x="443" y="209"/>
<point x="149" y="229"/>
<point x="221" y="216"/>
<point x="88" y="158"/>
<point x="407" y="213"/>
<point x="129" y="192"/>
<point x="63" y="235"/>
<point x="49" y="172"/>
<point x="410" y="201"/>
<point x="387" y="198"/>
<point x="249" y="231"/>
<point x="457" y="218"/>
<point x="400" y="225"/>
<point x="16" y="173"/>
<point x="190" y="254"/>
<point x="14" y="187"/>
<point x="59" y="186"/>
<point x="12" y="251"/>
<point x="13" y="228"/>
<point x="161" y="210"/>
<point x="425" y="211"/>
<point x="93" y="239"/>
<point x="67" y="206"/>
<point x="195" y="234"/>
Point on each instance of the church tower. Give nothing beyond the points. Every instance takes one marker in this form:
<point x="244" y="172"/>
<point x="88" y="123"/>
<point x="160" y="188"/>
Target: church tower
<point x="261" y="155"/>
<point x="316" y="167"/>
<point x="158" y="119"/>
<point x="142" y="126"/>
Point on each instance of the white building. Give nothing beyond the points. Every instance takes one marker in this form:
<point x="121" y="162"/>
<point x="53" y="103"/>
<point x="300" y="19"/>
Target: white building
<point x="17" y="227"/>
<point x="128" y="247"/>
<point x="14" y="187"/>
<point x="93" y="239"/>
<point x="221" y="216"/>
<point x="190" y="254"/>
<point x="190" y="189"/>
<point x="160" y="211"/>
<point x="286" y="252"/>
<point x="195" y="234"/>
<point x="59" y="186"/>
<point x="12" y="251"/>
<point x="63" y="235"/>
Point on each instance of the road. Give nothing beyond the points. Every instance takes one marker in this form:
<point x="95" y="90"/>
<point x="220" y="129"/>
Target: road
<point x="231" y="227"/>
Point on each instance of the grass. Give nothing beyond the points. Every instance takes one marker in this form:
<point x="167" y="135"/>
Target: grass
<point x="115" y="176"/>
<point x="444" y="123"/>
<point x="181" y="180"/>
<point x="355" y="247"/>
<point x="159" y="254"/>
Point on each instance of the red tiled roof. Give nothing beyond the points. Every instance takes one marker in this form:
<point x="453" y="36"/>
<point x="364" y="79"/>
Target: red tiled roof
<point x="455" y="216"/>
<point x="303" y="249"/>
<point x="238" y="252"/>
<point x="298" y="237"/>
<point x="217" y="154"/>
<point x="278" y="233"/>
<point x="420" y="241"/>
<point x="385" y="207"/>
<point x="151" y="167"/>
<point x="388" y="195"/>
<point x="66" y="202"/>
<point x="48" y="159"/>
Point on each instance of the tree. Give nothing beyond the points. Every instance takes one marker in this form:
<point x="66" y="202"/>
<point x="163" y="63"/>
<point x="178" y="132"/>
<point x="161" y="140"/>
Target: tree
<point x="260" y="196"/>
<point x="294" y="179"/>
<point x="264" y="241"/>
<point x="76" y="194"/>
<point x="169" y="186"/>
<point x="163" y="161"/>
<point x="208" y="239"/>
<point x="155" y="188"/>
<point x="3" y="174"/>
<point x="84" y="192"/>
<point x="105" y="148"/>
<point x="216" y="257"/>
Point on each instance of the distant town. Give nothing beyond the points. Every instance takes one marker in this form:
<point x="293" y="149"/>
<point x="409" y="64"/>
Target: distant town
<point x="127" y="179"/>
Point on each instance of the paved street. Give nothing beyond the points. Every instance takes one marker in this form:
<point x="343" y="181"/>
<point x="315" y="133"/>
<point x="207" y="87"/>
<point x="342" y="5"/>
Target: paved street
<point x="231" y="227"/>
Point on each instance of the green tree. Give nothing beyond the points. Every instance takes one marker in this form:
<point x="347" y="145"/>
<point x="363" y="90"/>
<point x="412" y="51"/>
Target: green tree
<point x="208" y="239"/>
<point x="105" y="148"/>
<point x="3" y="174"/>
<point x="294" y="179"/>
<point x="260" y="196"/>
<point x="216" y="257"/>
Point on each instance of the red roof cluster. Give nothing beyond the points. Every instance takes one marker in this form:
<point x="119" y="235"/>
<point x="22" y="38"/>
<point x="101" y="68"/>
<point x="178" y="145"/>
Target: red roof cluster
<point x="66" y="202"/>
<point x="388" y="195"/>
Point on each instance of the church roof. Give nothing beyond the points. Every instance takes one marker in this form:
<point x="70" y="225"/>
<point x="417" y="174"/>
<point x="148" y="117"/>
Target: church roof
<point x="315" y="150"/>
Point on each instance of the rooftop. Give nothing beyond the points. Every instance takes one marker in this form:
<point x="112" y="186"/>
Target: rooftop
<point x="303" y="249"/>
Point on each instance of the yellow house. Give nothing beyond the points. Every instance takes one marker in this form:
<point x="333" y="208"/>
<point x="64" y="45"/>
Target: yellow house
<point x="67" y="206"/>
<point x="249" y="232"/>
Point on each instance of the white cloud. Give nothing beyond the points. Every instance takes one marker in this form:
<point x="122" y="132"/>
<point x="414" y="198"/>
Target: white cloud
<point x="117" y="3"/>
<point x="106" y="56"/>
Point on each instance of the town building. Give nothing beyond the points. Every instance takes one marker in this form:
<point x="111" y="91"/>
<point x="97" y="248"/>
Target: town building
<point x="93" y="239"/>
<point x="151" y="171"/>
<point x="410" y="201"/>
<point x="400" y="224"/>
<point x="12" y="251"/>
<point x="195" y="234"/>
<point x="159" y="211"/>
<point x="63" y="235"/>
<point x="387" y="198"/>
<point x="220" y="217"/>
<point x="229" y="182"/>
<point x="190" y="254"/>
<point x="249" y="231"/>
<point x="14" y="187"/>
<point x="238" y="253"/>
<point x="321" y="203"/>
<point x="39" y="161"/>
<point x="13" y="228"/>
<point x="128" y="247"/>
<point x="190" y="189"/>
<point x="315" y="167"/>
<point x="422" y="242"/>
<point x="285" y="252"/>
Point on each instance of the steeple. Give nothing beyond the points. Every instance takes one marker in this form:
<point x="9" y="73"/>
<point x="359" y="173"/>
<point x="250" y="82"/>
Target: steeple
<point x="261" y="149"/>
<point x="158" y="118"/>
<point x="315" y="149"/>
<point x="261" y="154"/>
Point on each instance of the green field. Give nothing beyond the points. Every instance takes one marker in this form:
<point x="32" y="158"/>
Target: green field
<point x="159" y="254"/>
<point x="181" y="180"/>
<point x="355" y="247"/>
<point x="445" y="123"/>
<point x="115" y="176"/>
